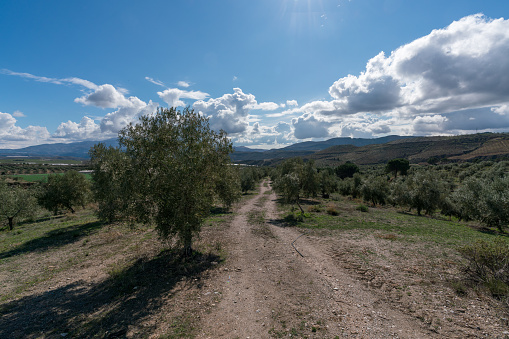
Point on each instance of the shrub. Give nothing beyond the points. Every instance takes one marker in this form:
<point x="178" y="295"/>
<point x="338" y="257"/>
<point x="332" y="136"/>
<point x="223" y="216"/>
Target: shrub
<point x="362" y="208"/>
<point x="331" y="209"/>
<point x="488" y="264"/>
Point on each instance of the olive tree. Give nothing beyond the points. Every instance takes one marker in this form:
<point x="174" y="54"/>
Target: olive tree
<point x="375" y="190"/>
<point x="110" y="181"/>
<point x="66" y="190"/>
<point x="288" y="186"/>
<point x="16" y="203"/>
<point x="484" y="200"/>
<point x="173" y="165"/>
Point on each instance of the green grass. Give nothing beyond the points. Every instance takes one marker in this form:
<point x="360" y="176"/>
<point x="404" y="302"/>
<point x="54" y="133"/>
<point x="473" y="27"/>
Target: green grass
<point x="407" y="227"/>
<point x="21" y="160"/>
<point x="39" y="177"/>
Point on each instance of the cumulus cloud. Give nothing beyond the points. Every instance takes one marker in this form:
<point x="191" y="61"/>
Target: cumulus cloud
<point x="85" y="129"/>
<point x="115" y="121"/>
<point x="172" y="96"/>
<point x="228" y="112"/>
<point x="262" y="136"/>
<point x="308" y="126"/>
<point x="266" y="106"/>
<point x="18" y="114"/>
<point x="105" y="96"/>
<point x="109" y="125"/>
<point x="429" y="124"/>
<point x="10" y="132"/>
<point x="459" y="67"/>
<point x="292" y="103"/>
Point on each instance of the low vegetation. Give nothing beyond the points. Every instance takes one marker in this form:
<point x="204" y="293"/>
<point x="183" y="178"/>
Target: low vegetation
<point x="463" y="203"/>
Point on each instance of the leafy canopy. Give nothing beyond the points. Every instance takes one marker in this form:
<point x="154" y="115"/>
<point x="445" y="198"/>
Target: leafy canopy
<point x="168" y="170"/>
<point x="16" y="203"/>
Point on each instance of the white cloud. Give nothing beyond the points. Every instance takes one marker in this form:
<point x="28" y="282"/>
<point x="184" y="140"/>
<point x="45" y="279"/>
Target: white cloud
<point x="155" y="82"/>
<point x="75" y="81"/>
<point x="184" y="84"/>
<point x="459" y="67"/>
<point x="113" y="122"/>
<point x="228" y="112"/>
<point x="172" y="96"/>
<point x="18" y="114"/>
<point x="308" y="126"/>
<point x="105" y="96"/>
<point x="501" y="110"/>
<point x="109" y="125"/>
<point x="266" y="106"/>
<point x="85" y="129"/>
<point x="9" y="132"/>
<point x="429" y="124"/>
<point x="292" y="103"/>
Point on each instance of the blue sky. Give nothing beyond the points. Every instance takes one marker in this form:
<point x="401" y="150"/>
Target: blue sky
<point x="269" y="72"/>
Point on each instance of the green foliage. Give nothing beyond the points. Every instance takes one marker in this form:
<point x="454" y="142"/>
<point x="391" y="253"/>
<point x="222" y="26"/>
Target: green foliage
<point x="328" y="183"/>
<point x="375" y="190"/>
<point x="16" y="203"/>
<point x="249" y="176"/>
<point x="309" y="179"/>
<point x="288" y="186"/>
<point x="228" y="186"/>
<point x="110" y="181"/>
<point x="67" y="191"/>
<point x="174" y="168"/>
<point x="397" y="165"/>
<point x="362" y="208"/>
<point x="426" y="191"/>
<point x="484" y="200"/>
<point x="346" y="170"/>
<point x="488" y="263"/>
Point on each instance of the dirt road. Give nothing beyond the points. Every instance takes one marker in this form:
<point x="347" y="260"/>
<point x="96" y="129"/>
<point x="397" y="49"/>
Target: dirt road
<point x="269" y="290"/>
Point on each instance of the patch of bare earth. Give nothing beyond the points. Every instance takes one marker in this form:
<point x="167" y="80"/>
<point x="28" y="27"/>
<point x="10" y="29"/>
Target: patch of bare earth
<point x="246" y="281"/>
<point x="345" y="284"/>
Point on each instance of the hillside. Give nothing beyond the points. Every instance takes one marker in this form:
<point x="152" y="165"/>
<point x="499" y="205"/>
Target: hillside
<point x="456" y="148"/>
<point x="329" y="152"/>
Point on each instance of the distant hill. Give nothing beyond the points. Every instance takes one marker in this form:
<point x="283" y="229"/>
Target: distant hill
<point x="304" y="149"/>
<point x="321" y="145"/>
<point x="330" y="152"/>
<point x="70" y="150"/>
<point x="420" y="149"/>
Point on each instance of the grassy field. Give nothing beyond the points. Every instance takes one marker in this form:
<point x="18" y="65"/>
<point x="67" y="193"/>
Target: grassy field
<point x="404" y="226"/>
<point x="21" y="160"/>
<point x="38" y="177"/>
<point x="97" y="279"/>
<point x="90" y="272"/>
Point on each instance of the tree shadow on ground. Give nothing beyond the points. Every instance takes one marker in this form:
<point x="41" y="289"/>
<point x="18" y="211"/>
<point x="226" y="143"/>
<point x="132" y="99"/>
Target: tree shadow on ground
<point x="106" y="309"/>
<point x="55" y="238"/>
<point x="220" y="210"/>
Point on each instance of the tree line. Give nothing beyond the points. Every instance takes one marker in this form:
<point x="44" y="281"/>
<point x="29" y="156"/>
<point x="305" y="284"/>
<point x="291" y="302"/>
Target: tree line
<point x="467" y="191"/>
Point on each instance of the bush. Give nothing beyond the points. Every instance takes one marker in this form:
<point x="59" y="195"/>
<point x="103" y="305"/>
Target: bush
<point x="362" y="208"/>
<point x="488" y="264"/>
<point x="331" y="209"/>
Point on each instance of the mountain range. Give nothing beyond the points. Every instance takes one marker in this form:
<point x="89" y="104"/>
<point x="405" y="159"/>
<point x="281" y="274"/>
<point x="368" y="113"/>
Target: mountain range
<point x="329" y="152"/>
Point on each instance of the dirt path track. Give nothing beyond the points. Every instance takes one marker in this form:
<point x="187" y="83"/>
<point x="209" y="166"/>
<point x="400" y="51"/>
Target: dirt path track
<point x="269" y="290"/>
